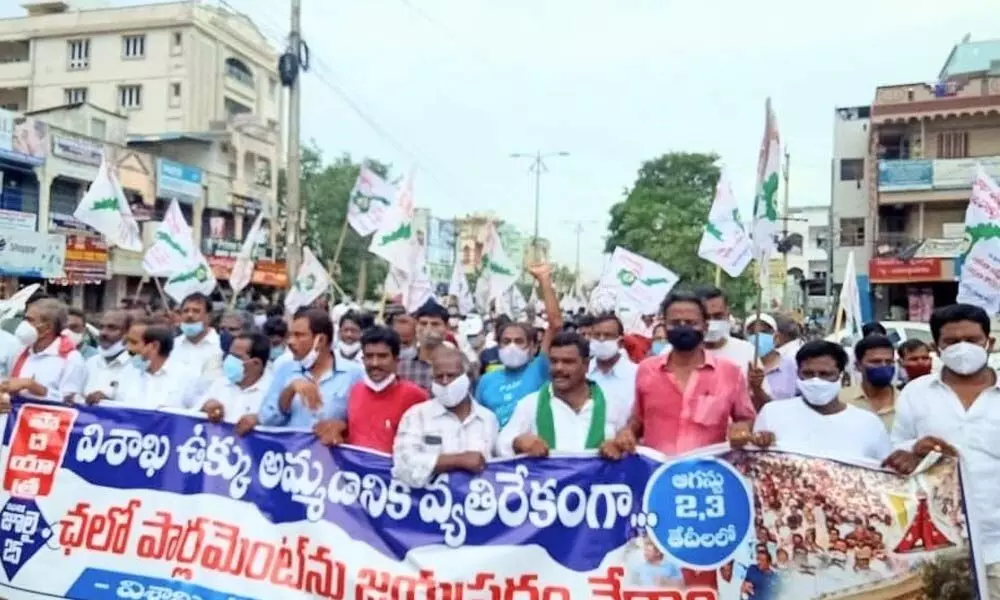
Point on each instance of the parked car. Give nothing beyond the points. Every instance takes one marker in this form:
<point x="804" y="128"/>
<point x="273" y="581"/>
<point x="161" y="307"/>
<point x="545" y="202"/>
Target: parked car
<point x="899" y="332"/>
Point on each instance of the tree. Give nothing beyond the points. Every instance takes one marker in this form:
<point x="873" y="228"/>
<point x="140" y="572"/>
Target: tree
<point x="663" y="215"/>
<point x="325" y="190"/>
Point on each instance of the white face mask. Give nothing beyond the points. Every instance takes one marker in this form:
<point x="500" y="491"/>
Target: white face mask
<point x="603" y="349"/>
<point x="73" y="336"/>
<point x="378" y="386"/>
<point x="26" y="333"/>
<point x="964" y="358"/>
<point x="113" y="350"/>
<point x="349" y="350"/>
<point x="718" y="330"/>
<point x="408" y="352"/>
<point x="513" y="356"/>
<point x="454" y="393"/>
<point x="259" y="320"/>
<point x="309" y="360"/>
<point x="819" y="392"/>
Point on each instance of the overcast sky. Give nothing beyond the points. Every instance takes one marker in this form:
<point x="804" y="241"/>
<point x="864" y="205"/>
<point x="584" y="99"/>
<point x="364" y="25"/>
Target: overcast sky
<point x="455" y="86"/>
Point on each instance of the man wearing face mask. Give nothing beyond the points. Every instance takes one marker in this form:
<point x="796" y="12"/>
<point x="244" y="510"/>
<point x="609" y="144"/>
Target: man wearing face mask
<point x="451" y="432"/>
<point x="310" y="388"/>
<point x="684" y="399"/>
<point x="610" y="367"/>
<point x="197" y="349"/>
<point x="875" y="358"/>
<point x="818" y="422"/>
<point x="245" y="380"/>
<point x="957" y="411"/>
<point x="717" y="338"/>
<point x="48" y="366"/>
<point x="376" y="404"/>
<point x="405" y="327"/>
<point x="151" y="381"/>
<point x="525" y="364"/>
<point x="432" y="325"/>
<point x="774" y="378"/>
<point x="276" y="331"/>
<point x="348" y="347"/>
<point x="105" y="370"/>
<point x="76" y="330"/>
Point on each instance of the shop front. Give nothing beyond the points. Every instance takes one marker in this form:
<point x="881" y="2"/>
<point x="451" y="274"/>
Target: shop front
<point x="268" y="275"/>
<point x="910" y="290"/>
<point x="24" y="143"/>
<point x="86" y="272"/>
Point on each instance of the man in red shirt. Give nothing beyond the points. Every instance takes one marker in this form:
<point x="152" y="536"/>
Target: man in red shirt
<point x="376" y="404"/>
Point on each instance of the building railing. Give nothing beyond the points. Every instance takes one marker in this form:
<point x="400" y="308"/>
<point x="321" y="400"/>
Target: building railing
<point x="915" y="174"/>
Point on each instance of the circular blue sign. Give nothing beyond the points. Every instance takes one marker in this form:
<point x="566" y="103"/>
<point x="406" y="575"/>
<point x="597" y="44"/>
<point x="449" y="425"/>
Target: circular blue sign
<point x="699" y="511"/>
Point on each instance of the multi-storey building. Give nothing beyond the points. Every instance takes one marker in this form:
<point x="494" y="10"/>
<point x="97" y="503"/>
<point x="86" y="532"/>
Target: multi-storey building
<point x="926" y="141"/>
<point x="198" y="89"/>
<point x="807" y="260"/>
<point x="471" y="235"/>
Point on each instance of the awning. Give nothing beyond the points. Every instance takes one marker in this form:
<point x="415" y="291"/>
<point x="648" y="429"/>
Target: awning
<point x="13" y="165"/>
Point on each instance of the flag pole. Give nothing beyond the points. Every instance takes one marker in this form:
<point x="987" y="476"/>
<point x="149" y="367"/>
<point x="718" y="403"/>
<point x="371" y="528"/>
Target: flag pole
<point x="340" y="242"/>
<point x="718" y="276"/>
<point x="760" y="300"/>
<point x="163" y="295"/>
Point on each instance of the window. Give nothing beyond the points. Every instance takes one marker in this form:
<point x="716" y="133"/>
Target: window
<point x="238" y="70"/>
<point x="175" y="95"/>
<point x="852" y="232"/>
<point x="133" y="46"/>
<point x="852" y="169"/>
<point x="79" y="54"/>
<point x="130" y="96"/>
<point x="272" y="87"/>
<point x="953" y="144"/>
<point x="176" y="43"/>
<point x="75" y="95"/>
<point x="234" y="108"/>
<point x="98" y="128"/>
<point x="11" y="106"/>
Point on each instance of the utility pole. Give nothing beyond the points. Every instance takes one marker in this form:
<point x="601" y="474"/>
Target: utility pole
<point x="291" y="62"/>
<point x="537" y="166"/>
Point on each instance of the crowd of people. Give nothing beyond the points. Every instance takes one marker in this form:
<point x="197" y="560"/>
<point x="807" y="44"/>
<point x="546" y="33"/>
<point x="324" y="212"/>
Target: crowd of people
<point x="440" y="391"/>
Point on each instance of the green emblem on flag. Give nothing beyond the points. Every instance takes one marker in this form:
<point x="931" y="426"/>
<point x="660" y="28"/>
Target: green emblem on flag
<point x="737" y="220"/>
<point x="768" y="194"/>
<point x="364" y="203"/>
<point x="306" y="283"/>
<point x="402" y="233"/>
<point x="199" y="274"/>
<point x="713" y="231"/>
<point x="164" y="237"/>
<point x="979" y="233"/>
<point x="110" y="203"/>
<point x="628" y="279"/>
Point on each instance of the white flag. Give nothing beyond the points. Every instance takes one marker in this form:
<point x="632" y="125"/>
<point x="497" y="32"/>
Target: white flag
<point x="394" y="240"/>
<point x="850" y="298"/>
<point x="310" y="283"/>
<point x="173" y="255"/>
<point x="637" y="282"/>
<point x="980" y="284"/>
<point x="193" y="277"/>
<point x="243" y="268"/>
<point x="370" y="199"/>
<point x="497" y="272"/>
<point x="765" y="206"/>
<point x="724" y="241"/>
<point x="105" y="208"/>
<point x="459" y="288"/>
<point x="14" y="305"/>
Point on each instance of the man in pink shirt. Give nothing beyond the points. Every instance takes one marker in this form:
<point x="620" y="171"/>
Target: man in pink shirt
<point x="687" y="398"/>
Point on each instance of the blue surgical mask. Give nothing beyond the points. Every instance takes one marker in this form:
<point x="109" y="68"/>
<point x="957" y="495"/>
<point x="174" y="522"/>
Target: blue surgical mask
<point x="233" y="369"/>
<point x="764" y="343"/>
<point x="658" y="347"/>
<point x="139" y="362"/>
<point x="880" y="376"/>
<point x="277" y="351"/>
<point x="192" y="329"/>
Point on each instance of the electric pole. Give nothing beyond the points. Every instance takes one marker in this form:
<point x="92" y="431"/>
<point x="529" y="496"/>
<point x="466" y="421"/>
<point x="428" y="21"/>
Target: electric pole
<point x="290" y="65"/>
<point x="537" y="166"/>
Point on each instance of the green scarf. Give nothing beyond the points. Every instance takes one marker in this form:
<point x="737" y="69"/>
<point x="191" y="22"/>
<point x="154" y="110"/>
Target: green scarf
<point x="547" y="429"/>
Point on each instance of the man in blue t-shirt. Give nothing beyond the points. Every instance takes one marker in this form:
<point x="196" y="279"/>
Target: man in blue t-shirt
<point x="525" y="365"/>
<point x="761" y="581"/>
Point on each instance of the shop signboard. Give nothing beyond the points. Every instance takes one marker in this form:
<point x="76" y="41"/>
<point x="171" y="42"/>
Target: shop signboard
<point x="23" y="139"/>
<point x="905" y="175"/>
<point x="959" y="173"/>
<point x="21" y="221"/>
<point x="77" y="150"/>
<point x="32" y="254"/>
<point x="177" y="180"/>
<point x="86" y="257"/>
<point x="916" y="270"/>
<point x="265" y="272"/>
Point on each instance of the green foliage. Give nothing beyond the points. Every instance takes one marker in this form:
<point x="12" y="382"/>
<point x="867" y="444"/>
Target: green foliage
<point x="563" y="279"/>
<point x="325" y="190"/>
<point x="663" y="216"/>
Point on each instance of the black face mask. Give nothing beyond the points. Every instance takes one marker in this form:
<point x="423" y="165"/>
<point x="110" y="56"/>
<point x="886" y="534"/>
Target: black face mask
<point x="684" y="338"/>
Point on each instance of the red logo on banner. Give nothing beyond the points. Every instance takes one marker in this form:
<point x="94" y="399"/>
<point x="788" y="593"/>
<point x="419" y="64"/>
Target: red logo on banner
<point x="37" y="446"/>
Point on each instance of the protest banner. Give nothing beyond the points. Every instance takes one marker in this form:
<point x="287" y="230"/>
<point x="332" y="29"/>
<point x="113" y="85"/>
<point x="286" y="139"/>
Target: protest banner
<point x="101" y="503"/>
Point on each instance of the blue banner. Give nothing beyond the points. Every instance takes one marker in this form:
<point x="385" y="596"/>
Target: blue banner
<point x="177" y="180"/>
<point x="143" y="502"/>
<point x="905" y="175"/>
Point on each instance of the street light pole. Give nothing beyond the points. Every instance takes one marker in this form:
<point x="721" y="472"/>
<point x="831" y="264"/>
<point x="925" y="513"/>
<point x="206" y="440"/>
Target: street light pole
<point x="538" y="165"/>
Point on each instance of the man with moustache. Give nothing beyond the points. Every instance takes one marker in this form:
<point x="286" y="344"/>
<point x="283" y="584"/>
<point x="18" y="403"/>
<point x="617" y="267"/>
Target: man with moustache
<point x="104" y="370"/>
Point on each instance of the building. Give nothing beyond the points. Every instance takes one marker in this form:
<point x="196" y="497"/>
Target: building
<point x="807" y="259"/>
<point x="198" y="89"/>
<point x="471" y="235"/>
<point x="926" y="140"/>
<point x="851" y="231"/>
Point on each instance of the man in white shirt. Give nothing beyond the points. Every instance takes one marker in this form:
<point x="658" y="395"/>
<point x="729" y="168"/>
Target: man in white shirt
<point x="105" y="369"/>
<point x="348" y="339"/>
<point x="569" y="414"/>
<point x="788" y="337"/>
<point x="48" y="367"/>
<point x="818" y="422"/>
<point x="957" y="411"/>
<point x="452" y="432"/>
<point x="197" y="350"/>
<point x="243" y="384"/>
<point x="152" y="381"/>
<point x="610" y="366"/>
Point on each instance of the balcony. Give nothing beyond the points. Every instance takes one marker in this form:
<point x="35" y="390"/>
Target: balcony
<point x="15" y="64"/>
<point x="944" y="99"/>
<point x="905" y="246"/>
<point x="928" y="180"/>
